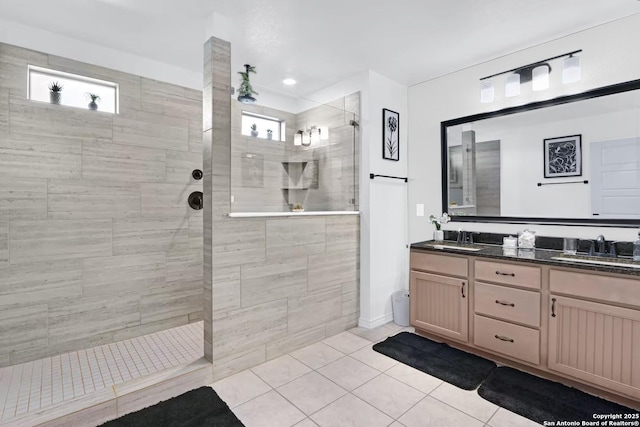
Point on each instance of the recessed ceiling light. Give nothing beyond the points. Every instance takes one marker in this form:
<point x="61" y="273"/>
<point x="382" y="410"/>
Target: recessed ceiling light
<point x="289" y="82"/>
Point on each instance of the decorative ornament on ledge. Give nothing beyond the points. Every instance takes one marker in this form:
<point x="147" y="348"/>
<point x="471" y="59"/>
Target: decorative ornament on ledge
<point x="55" y="92"/>
<point x="246" y="91"/>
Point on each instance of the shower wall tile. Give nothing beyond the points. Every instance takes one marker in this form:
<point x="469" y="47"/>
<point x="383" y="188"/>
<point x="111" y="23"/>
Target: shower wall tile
<point x="314" y="309"/>
<point x="195" y="135"/>
<point x="143" y="235"/>
<point x="243" y="329"/>
<point x="14" y="61"/>
<point x="343" y="233"/>
<point x="170" y="100"/>
<point x="90" y="316"/>
<point x="149" y="328"/>
<point x="151" y="130"/>
<point x="4" y="111"/>
<point x="185" y="267"/>
<point x="105" y="160"/>
<point x="50" y="240"/>
<point x="127" y="273"/>
<point x="40" y="282"/>
<point x="226" y="292"/>
<point x="23" y="199"/>
<point x="37" y="156"/>
<point x="180" y="165"/>
<point x="271" y="280"/>
<point x="166" y="303"/>
<point x="23" y="328"/>
<point x="79" y="199"/>
<point x="4" y="245"/>
<point x="38" y="118"/>
<point x="238" y="242"/>
<point x="350" y="298"/>
<point x="196" y="234"/>
<point x="341" y="324"/>
<point x="169" y="200"/>
<point x="332" y="269"/>
<point x="291" y="237"/>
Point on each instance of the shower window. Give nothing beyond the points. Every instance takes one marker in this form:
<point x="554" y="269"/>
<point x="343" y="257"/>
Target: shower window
<point x="75" y="89"/>
<point x="263" y="124"/>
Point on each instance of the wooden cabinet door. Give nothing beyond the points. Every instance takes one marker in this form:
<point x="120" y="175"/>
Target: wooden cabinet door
<point x="595" y="342"/>
<point x="439" y="304"/>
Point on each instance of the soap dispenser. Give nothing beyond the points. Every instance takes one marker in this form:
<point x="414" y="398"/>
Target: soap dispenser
<point x="636" y="248"/>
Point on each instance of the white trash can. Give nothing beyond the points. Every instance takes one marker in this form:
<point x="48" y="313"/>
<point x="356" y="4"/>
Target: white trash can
<point x="400" y="306"/>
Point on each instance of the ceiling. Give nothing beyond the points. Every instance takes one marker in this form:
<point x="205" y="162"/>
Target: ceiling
<point x="321" y="42"/>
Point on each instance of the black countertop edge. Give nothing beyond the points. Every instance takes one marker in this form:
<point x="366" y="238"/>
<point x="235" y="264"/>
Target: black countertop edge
<point x="534" y="256"/>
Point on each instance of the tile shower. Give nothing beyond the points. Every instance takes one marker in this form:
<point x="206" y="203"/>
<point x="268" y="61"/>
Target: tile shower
<point x="96" y="242"/>
<point x="101" y="259"/>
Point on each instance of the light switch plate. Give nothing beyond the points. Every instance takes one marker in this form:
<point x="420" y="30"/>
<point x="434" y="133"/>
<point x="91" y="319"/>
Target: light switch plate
<point x="419" y="209"/>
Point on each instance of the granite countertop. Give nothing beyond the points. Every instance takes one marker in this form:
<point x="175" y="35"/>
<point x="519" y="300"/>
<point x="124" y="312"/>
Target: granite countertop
<point x="534" y="256"/>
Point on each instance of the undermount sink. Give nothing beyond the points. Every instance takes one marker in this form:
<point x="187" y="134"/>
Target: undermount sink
<point x="455" y="247"/>
<point x="613" y="262"/>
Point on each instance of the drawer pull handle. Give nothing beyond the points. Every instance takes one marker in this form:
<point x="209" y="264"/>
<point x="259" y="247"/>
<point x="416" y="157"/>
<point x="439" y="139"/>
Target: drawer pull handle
<point x="500" y="273"/>
<point x="553" y="307"/>
<point x="463" y="296"/>
<point x="510" y="304"/>
<point x="504" y="338"/>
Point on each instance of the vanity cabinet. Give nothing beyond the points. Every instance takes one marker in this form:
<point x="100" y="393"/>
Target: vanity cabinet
<point x="439" y="291"/>
<point x="439" y="304"/>
<point x="595" y="341"/>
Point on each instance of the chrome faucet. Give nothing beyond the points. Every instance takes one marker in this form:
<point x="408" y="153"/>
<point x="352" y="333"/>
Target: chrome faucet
<point x="601" y="244"/>
<point x="465" y="237"/>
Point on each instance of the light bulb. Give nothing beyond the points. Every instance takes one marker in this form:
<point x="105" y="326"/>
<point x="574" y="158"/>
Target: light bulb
<point x="571" y="70"/>
<point x="540" y="77"/>
<point x="486" y="91"/>
<point x="512" y="85"/>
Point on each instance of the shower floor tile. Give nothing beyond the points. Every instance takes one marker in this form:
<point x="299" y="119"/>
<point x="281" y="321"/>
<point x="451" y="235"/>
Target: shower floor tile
<point x="35" y="385"/>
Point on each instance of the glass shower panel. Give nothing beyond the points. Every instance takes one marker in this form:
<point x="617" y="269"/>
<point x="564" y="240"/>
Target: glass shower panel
<point x="315" y="172"/>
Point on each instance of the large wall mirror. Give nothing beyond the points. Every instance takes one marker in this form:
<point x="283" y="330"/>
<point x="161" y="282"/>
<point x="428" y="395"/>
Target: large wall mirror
<point x="574" y="159"/>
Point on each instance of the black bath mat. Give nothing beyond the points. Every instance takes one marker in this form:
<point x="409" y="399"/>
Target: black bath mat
<point x="195" y="408"/>
<point x="457" y="367"/>
<point x="542" y="400"/>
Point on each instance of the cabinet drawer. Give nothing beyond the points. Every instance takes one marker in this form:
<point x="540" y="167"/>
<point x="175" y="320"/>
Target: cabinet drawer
<point x="590" y="285"/>
<point x="514" y="305"/>
<point x="444" y="264"/>
<point x="515" y="341"/>
<point x="510" y="274"/>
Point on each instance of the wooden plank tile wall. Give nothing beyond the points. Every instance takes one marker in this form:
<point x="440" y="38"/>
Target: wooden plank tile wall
<point x="272" y="285"/>
<point x="97" y="242"/>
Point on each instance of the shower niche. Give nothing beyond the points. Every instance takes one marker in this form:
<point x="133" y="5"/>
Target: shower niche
<point x="298" y="179"/>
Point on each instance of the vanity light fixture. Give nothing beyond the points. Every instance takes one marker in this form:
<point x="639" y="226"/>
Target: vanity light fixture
<point x="311" y="136"/>
<point x="537" y="72"/>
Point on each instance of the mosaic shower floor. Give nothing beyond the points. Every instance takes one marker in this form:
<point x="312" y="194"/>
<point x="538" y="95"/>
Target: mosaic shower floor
<point x="43" y="383"/>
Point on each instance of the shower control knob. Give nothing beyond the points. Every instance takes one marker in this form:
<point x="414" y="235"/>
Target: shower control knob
<point x="197" y="174"/>
<point x="195" y="200"/>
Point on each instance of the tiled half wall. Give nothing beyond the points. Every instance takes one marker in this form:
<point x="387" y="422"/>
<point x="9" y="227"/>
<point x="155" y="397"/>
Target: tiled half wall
<point x="97" y="242"/>
<point x="271" y="284"/>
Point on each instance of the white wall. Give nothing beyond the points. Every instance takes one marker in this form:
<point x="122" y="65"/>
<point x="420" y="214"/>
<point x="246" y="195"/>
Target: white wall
<point x="79" y="50"/>
<point x="611" y="54"/>
<point x="385" y="258"/>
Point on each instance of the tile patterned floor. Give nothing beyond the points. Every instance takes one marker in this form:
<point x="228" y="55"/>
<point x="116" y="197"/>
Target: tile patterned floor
<point x="343" y="382"/>
<point x="47" y="382"/>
